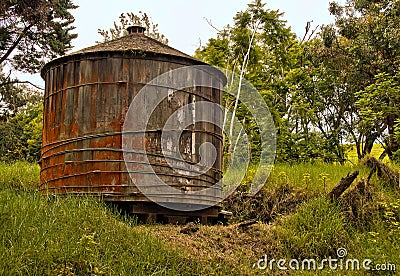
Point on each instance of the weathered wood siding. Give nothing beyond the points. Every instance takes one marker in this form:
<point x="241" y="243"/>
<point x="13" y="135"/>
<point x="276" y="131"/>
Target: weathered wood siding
<point x="85" y="103"/>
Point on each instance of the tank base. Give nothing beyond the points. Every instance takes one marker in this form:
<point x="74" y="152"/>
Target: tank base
<point x="149" y="212"/>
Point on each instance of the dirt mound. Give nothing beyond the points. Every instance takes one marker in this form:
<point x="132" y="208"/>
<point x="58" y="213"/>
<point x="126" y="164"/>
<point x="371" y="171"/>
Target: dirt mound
<point x="266" y="205"/>
<point x="231" y="245"/>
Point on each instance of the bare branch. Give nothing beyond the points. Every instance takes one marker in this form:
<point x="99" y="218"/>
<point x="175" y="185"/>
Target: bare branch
<point x="22" y="82"/>
<point x="312" y="33"/>
<point x="211" y="24"/>
<point x="308" y="26"/>
<point x="15" y="44"/>
<point x="242" y="72"/>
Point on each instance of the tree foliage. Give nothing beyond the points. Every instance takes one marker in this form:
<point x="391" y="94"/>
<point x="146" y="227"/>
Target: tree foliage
<point x="380" y="110"/>
<point x="14" y="97"/>
<point x="21" y="135"/>
<point x="34" y="31"/>
<point x="31" y="33"/>
<point x="255" y="48"/>
<point x="276" y="66"/>
<point x="368" y="35"/>
<point x="336" y="88"/>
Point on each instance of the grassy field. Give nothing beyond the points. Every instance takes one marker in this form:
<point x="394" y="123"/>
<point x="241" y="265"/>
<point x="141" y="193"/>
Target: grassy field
<point x="71" y="236"/>
<point x="82" y="236"/>
<point x="377" y="150"/>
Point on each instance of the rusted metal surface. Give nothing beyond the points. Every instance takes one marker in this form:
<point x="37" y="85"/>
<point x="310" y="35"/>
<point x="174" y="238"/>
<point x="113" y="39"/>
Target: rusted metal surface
<point x="86" y="98"/>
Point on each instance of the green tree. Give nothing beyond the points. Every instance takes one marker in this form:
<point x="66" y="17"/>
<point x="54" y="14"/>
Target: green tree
<point x="21" y="135"/>
<point x="328" y="94"/>
<point x="21" y="116"/>
<point x="33" y="31"/>
<point x="256" y="48"/>
<point x="366" y="33"/>
<point x="14" y="97"/>
<point x="380" y="110"/>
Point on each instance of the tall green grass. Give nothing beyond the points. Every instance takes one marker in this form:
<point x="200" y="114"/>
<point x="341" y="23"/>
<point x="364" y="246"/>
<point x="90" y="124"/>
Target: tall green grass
<point x="315" y="230"/>
<point x="19" y="176"/>
<point x="54" y="235"/>
<point x="318" y="227"/>
<point x="376" y="151"/>
<point x="70" y="236"/>
<point x="314" y="177"/>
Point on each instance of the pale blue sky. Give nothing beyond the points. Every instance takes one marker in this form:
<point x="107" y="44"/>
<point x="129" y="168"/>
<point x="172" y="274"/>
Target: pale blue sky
<point x="183" y="22"/>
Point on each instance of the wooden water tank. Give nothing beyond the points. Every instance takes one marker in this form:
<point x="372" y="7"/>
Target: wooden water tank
<point x="87" y="96"/>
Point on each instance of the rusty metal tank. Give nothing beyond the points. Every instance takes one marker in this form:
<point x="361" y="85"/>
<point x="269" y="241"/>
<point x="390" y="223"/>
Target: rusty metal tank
<point x="87" y="96"/>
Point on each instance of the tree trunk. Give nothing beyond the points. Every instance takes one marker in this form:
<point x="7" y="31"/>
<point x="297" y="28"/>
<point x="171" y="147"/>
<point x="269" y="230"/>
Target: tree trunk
<point x="340" y="188"/>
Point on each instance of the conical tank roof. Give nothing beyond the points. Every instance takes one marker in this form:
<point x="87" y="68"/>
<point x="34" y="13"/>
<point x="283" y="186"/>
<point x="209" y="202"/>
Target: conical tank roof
<point x="134" y="42"/>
